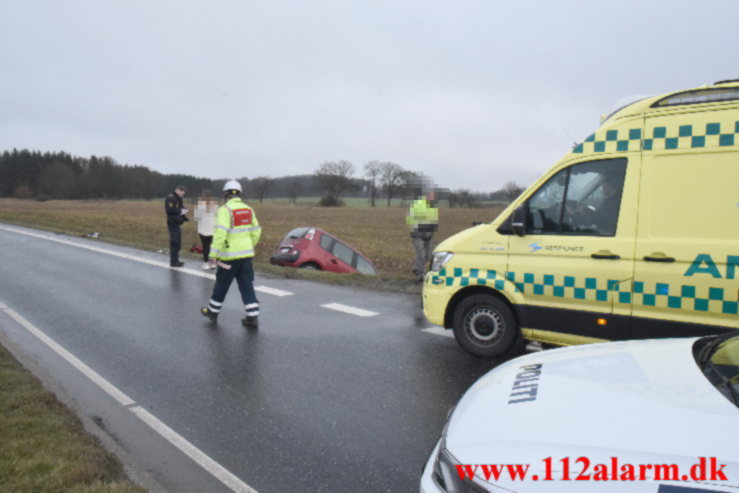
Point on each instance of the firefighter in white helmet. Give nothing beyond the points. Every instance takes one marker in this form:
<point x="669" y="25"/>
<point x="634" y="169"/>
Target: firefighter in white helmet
<point x="236" y="234"/>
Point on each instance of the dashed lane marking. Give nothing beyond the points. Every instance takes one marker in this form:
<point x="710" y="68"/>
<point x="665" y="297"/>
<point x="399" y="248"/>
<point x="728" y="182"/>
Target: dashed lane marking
<point x="349" y="309"/>
<point x="204" y="461"/>
<point x="272" y="291"/>
<point x="164" y="265"/>
<point x="439" y="331"/>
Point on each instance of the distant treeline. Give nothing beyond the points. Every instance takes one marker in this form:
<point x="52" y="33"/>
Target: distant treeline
<point x="59" y="175"/>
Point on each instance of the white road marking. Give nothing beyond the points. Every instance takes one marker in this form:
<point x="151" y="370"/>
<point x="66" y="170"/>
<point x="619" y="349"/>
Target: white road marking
<point x="116" y="394"/>
<point x="214" y="468"/>
<point x="440" y="331"/>
<point x="273" y="291"/>
<point x="164" y="265"/>
<point x="349" y="309"/>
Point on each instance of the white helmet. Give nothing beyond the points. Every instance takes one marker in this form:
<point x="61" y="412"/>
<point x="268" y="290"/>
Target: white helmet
<point x="232" y="185"/>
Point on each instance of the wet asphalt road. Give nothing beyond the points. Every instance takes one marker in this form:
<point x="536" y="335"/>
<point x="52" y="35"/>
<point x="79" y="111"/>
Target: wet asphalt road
<point x="315" y="400"/>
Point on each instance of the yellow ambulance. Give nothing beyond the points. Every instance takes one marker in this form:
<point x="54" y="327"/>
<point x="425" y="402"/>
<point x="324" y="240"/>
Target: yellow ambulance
<point x="633" y="234"/>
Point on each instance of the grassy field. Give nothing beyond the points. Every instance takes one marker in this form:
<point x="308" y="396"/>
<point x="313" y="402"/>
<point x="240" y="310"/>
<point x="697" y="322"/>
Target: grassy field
<point x="380" y="233"/>
<point x="43" y="446"/>
<point x="365" y="202"/>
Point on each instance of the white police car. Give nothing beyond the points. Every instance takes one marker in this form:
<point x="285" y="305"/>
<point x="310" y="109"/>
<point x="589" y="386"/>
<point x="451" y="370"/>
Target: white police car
<point x="658" y="415"/>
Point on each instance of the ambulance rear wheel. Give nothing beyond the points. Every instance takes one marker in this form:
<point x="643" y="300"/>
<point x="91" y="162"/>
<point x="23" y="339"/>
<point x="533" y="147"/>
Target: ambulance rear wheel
<point x="484" y="326"/>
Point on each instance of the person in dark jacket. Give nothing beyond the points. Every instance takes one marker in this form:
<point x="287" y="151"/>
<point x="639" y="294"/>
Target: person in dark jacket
<point x="176" y="215"/>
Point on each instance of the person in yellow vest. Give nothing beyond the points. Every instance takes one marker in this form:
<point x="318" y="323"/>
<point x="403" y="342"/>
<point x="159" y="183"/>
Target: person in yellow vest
<point x="423" y="218"/>
<point x="236" y="233"/>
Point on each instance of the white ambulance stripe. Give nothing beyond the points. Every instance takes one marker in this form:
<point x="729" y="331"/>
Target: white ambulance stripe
<point x="218" y="471"/>
<point x="349" y="309"/>
<point x="164" y="265"/>
<point x="440" y="331"/>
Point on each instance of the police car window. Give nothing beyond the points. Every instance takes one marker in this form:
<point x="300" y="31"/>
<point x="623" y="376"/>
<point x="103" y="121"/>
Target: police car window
<point x="343" y="252"/>
<point x="593" y="198"/>
<point x="326" y="242"/>
<point x="364" y="266"/>
<point x="545" y="206"/>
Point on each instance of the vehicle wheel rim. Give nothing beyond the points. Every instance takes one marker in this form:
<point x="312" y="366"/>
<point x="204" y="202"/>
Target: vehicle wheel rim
<point x="485" y="326"/>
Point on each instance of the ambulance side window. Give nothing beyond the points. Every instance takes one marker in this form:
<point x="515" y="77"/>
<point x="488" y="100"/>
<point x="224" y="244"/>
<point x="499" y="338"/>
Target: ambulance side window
<point x="594" y="198"/>
<point x="583" y="199"/>
<point x="545" y="206"/>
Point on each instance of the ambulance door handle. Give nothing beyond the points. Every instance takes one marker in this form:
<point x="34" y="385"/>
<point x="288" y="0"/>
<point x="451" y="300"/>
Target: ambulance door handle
<point x="605" y="254"/>
<point x="659" y="257"/>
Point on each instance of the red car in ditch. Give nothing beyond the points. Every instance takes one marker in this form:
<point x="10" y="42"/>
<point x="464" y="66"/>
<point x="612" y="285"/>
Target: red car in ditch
<point x="313" y="248"/>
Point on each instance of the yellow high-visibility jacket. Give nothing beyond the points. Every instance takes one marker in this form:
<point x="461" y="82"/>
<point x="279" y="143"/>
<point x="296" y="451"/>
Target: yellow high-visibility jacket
<point x="422" y="216"/>
<point x="237" y="231"/>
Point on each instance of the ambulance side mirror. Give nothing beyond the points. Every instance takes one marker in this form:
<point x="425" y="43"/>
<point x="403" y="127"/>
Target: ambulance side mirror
<point x="519" y="221"/>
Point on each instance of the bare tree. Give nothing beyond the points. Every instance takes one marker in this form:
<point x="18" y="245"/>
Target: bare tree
<point x="293" y="189"/>
<point x="334" y="177"/>
<point x="391" y="179"/>
<point x="511" y="190"/>
<point x="462" y="197"/>
<point x="372" y="171"/>
<point x="261" y="185"/>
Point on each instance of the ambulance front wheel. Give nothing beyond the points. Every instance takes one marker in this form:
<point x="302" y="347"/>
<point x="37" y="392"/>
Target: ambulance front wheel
<point x="484" y="326"/>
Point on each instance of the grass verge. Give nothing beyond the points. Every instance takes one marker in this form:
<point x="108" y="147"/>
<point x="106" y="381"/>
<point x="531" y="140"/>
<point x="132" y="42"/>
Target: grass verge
<point x="44" y="447"/>
<point x="379" y="233"/>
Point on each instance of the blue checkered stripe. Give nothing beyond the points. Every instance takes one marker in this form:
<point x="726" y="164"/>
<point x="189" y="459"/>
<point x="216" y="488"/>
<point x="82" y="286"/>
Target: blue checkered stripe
<point x="693" y="136"/>
<point x="714" y="134"/>
<point x="611" y="141"/>
<point x="472" y="277"/>
<point x="683" y="297"/>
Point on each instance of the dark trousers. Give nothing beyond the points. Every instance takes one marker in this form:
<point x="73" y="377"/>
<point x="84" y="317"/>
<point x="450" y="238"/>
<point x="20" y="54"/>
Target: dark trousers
<point x="175" y="243"/>
<point x="241" y="269"/>
<point x="206" y="241"/>
<point x="423" y="246"/>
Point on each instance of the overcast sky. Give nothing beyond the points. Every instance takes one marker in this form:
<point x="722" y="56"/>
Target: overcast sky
<point x="472" y="93"/>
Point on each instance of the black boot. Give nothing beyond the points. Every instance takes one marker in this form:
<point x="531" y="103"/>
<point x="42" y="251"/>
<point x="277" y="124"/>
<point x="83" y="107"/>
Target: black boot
<point x="213" y="317"/>
<point x="251" y="322"/>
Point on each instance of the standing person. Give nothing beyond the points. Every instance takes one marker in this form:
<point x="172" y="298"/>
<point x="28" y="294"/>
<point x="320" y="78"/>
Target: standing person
<point x="423" y="218"/>
<point x="176" y="215"/>
<point x="236" y="234"/>
<point x="205" y="215"/>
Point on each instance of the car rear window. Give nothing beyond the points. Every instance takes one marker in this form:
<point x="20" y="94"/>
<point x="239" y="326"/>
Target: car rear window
<point x="297" y="232"/>
<point x="364" y="266"/>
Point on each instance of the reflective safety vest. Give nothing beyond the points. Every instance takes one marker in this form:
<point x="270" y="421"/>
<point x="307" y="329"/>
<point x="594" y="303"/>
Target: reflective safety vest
<point x="422" y="215"/>
<point x="237" y="231"/>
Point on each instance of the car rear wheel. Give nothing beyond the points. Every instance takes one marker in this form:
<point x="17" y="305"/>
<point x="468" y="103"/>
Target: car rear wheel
<point x="485" y="326"/>
<point x="310" y="266"/>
